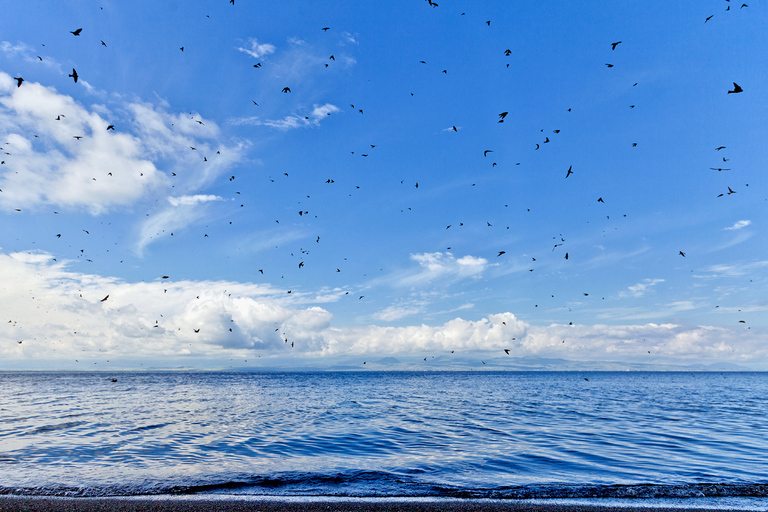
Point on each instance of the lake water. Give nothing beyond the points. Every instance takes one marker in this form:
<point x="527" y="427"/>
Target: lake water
<point x="418" y="434"/>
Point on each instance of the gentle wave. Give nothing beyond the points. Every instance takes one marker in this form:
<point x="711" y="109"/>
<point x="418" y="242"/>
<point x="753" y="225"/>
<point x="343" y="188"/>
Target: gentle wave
<point x="506" y="435"/>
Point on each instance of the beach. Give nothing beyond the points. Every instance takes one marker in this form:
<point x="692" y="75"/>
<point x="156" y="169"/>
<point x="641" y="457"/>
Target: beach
<point x="234" y="504"/>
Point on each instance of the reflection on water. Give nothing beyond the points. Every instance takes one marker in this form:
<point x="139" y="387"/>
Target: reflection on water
<point x="382" y="433"/>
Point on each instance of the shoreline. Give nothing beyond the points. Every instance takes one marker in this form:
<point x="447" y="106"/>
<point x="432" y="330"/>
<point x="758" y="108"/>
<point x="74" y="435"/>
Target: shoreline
<point x="250" y="503"/>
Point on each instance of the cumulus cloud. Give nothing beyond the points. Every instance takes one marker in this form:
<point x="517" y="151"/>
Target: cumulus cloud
<point x="61" y="152"/>
<point x="738" y="225"/>
<point x="256" y="50"/>
<point x="60" y="315"/>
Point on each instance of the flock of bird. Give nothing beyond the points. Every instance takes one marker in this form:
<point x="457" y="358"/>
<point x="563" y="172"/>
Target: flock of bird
<point x="501" y="118"/>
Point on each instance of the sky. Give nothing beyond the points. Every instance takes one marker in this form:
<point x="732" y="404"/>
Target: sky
<point x="303" y="184"/>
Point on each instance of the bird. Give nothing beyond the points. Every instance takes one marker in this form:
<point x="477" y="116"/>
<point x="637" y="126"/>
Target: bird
<point x="719" y="148"/>
<point x="182" y="48"/>
<point x="103" y="43"/>
<point x="76" y="32"/>
<point x="507" y="52"/>
<point x="485" y="153"/>
<point x="78" y="137"/>
<point x="74" y="75"/>
<point x="708" y="18"/>
<point x="488" y="23"/>
<point x="502" y="116"/>
<point x="731" y="191"/>
<point x="111" y="127"/>
<point x="600" y="200"/>
<point x="566" y="255"/>
<point x="454" y="128"/>
<point x="105" y="298"/>
<point x="614" y="45"/>
<point x="506" y="350"/>
<point x="18" y="80"/>
<point x="286" y="89"/>
<point x="609" y="65"/>
<point x="569" y="171"/>
<point x="500" y="253"/>
<point x="736" y="89"/>
<point x="719" y="169"/>
<point x="682" y="254"/>
<point x="325" y="29"/>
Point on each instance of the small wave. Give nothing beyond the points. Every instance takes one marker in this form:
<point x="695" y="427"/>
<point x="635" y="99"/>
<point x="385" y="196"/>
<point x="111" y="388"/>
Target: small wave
<point x="375" y="484"/>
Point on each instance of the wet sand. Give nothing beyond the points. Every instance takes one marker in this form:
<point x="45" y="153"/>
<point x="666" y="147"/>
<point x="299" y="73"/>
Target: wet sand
<point x="198" y="504"/>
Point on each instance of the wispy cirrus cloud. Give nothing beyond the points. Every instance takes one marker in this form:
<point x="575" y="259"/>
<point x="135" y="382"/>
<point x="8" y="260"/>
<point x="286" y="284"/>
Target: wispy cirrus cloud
<point x="256" y="50"/>
<point x="640" y="289"/>
<point x="290" y="122"/>
<point x="738" y="225"/>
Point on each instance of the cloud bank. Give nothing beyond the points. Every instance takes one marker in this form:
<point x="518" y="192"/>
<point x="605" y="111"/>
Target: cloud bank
<point x="60" y="316"/>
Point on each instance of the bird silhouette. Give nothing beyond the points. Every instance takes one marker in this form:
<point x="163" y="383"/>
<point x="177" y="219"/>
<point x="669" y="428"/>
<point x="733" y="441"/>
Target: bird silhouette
<point x="500" y="253"/>
<point x="507" y="52"/>
<point x="614" y="45"/>
<point x="74" y="75"/>
<point x="325" y="29"/>
<point x="18" y="80"/>
<point x="76" y="32"/>
<point x="736" y="89"/>
<point x="708" y="18"/>
<point x="682" y="254"/>
<point x="103" y="43"/>
<point x="569" y="171"/>
<point x="609" y="65"/>
<point x="286" y="89"/>
<point x="105" y="298"/>
<point x="111" y="127"/>
<point x="718" y="169"/>
<point x="485" y="153"/>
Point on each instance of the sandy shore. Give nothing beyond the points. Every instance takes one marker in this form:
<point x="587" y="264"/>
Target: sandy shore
<point x="205" y="504"/>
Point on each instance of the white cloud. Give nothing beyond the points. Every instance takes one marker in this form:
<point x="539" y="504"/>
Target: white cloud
<point x="29" y="54"/>
<point x="256" y="50"/>
<point x="639" y="289"/>
<point x="442" y="266"/>
<point x="104" y="169"/>
<point x="193" y="200"/>
<point x="313" y="118"/>
<point x="733" y="270"/>
<point x="738" y="225"/>
<point x="59" y="316"/>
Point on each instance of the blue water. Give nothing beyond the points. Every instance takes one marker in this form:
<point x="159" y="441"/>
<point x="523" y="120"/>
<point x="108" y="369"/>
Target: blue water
<point x="419" y="434"/>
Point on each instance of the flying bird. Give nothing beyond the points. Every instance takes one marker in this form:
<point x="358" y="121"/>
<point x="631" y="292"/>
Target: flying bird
<point x="103" y="43"/>
<point x="500" y="253"/>
<point x="507" y="52"/>
<point x="609" y="65"/>
<point x="502" y="116"/>
<point x="719" y="169"/>
<point x="76" y="32"/>
<point x="18" y="80"/>
<point x="614" y="45"/>
<point x="682" y="254"/>
<point x="708" y="18"/>
<point x="74" y="75"/>
<point x="506" y="350"/>
<point x="485" y="153"/>
<point x="286" y="89"/>
<point x="569" y="171"/>
<point x="325" y="29"/>
<point x="111" y="127"/>
<point x="105" y="298"/>
<point x="736" y="88"/>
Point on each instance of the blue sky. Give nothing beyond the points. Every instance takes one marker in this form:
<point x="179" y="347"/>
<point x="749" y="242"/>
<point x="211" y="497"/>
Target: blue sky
<point x="314" y="191"/>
